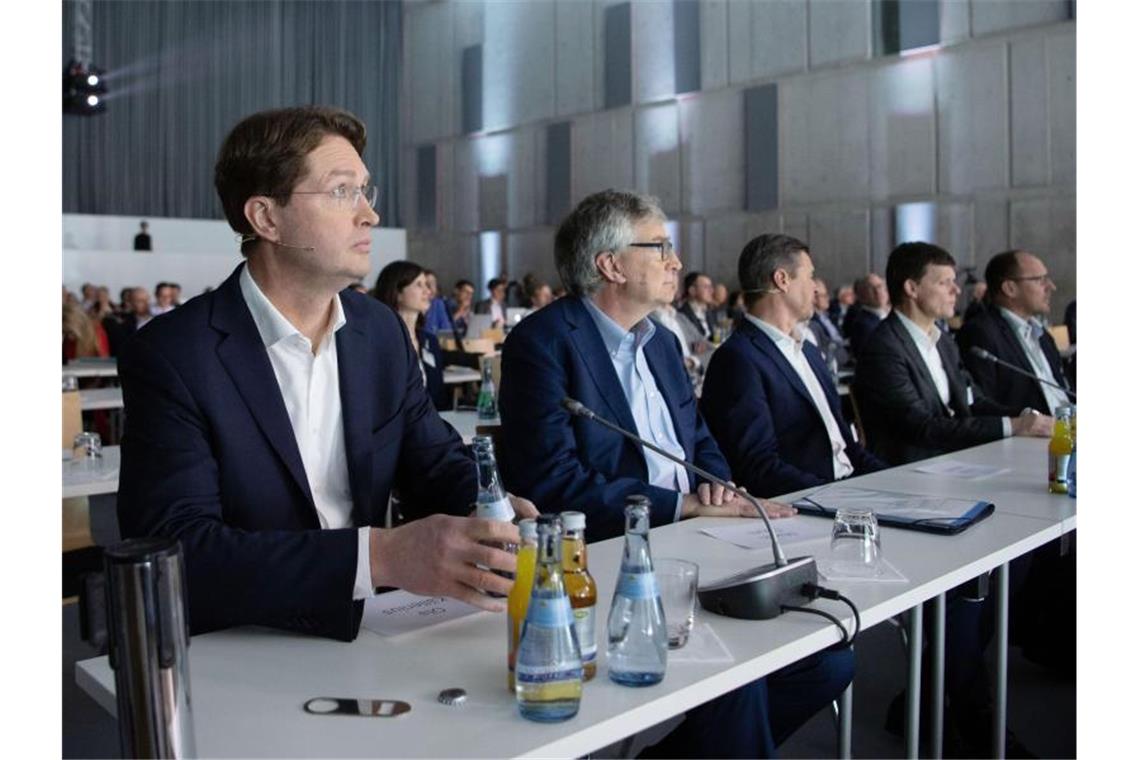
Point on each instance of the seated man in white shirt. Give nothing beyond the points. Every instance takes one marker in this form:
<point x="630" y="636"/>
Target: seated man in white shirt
<point x="768" y="396"/>
<point x="915" y="397"/>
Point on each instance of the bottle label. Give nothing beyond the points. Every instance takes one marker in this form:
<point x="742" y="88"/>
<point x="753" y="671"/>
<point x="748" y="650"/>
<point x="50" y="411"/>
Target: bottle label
<point x="500" y="509"/>
<point x="637" y="585"/>
<point x="1058" y="467"/>
<point x="541" y="674"/>
<point x="549" y="613"/>
<point x="584" y="625"/>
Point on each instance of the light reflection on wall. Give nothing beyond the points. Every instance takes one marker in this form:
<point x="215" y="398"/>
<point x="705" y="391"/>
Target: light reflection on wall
<point x="915" y="222"/>
<point x="490" y="258"/>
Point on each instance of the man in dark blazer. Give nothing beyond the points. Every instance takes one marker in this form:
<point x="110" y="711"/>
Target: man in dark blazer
<point x="768" y="397"/>
<point x="698" y="306"/>
<point x="828" y="336"/>
<point x="268" y="421"/>
<point x="1008" y="326"/>
<point x="915" y="398"/>
<point x="599" y="346"/>
<point x="867" y="312"/>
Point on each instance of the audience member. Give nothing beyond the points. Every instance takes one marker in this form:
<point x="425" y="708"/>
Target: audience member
<point x="1007" y="326"/>
<point x="402" y="286"/>
<point x="87" y="294"/>
<point x="768" y="397"/>
<point x="598" y="346"/>
<point x="271" y="459"/>
<point x="82" y="336"/>
<point x="437" y="317"/>
<point x="975" y="297"/>
<point x="142" y="239"/>
<point x="865" y="315"/>
<point x="915" y="399"/>
<point x="827" y="335"/>
<point x="837" y="310"/>
<point x="163" y="298"/>
<point x="495" y="304"/>
<point x="698" y="300"/>
<point x="102" y="306"/>
<point x="459" y="306"/>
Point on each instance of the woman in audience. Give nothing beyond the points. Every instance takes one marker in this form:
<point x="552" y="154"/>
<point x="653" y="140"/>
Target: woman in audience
<point x="82" y="336"/>
<point x="403" y="287"/>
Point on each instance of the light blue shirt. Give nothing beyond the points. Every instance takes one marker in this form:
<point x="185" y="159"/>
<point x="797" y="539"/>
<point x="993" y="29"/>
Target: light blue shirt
<point x="650" y="413"/>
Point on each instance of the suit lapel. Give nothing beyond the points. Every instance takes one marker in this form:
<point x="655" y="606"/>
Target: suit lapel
<point x="928" y="389"/>
<point x="357" y="389"/>
<point x="588" y="343"/>
<point x="769" y="349"/>
<point x="1013" y="346"/>
<point x="959" y="401"/>
<point x="243" y="355"/>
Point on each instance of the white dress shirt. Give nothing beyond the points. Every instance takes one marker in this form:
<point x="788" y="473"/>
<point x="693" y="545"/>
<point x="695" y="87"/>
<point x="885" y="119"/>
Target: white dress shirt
<point x="792" y="349"/>
<point x="927" y="345"/>
<point x="1028" y="332"/>
<point x="310" y="387"/>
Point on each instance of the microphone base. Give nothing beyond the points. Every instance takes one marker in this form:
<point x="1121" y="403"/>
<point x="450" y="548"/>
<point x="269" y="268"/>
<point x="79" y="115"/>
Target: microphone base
<point x="758" y="593"/>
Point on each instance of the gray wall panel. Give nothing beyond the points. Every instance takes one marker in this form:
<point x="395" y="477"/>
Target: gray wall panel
<point x="902" y="139"/>
<point x="841" y="237"/>
<point x="532" y="251"/>
<point x="839" y="31"/>
<point x="465" y="186"/>
<point x="1062" y="63"/>
<point x="955" y="232"/>
<point x="518" y="64"/>
<point x="601" y="152"/>
<point x="618" y="55"/>
<point x="954" y="20"/>
<point x="762" y="148"/>
<point x="558" y="169"/>
<point x="973" y="106"/>
<point x="691" y="244"/>
<point x="433" y="84"/>
<point x="686" y="46"/>
<point x="779" y="37"/>
<point x="575" y="49"/>
<point x="991" y="226"/>
<point x="652" y="48"/>
<point x="714" y="44"/>
<point x="882" y="241"/>
<point x="425" y="186"/>
<point x="988" y="16"/>
<point x="918" y="23"/>
<point x="1029" y="114"/>
<point x="657" y="154"/>
<point x="712" y="174"/>
<point x="740" y="40"/>
<point x="725" y="236"/>
<point x="471" y="88"/>
<point x="795" y="223"/>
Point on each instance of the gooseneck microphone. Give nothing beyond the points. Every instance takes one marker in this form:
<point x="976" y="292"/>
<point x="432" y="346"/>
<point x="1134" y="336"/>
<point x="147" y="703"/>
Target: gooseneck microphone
<point x="982" y="353"/>
<point x="755" y="594"/>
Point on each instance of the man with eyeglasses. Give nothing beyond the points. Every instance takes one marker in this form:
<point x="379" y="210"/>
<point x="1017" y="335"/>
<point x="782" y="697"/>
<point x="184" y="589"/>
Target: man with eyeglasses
<point x="268" y="421"/>
<point x="599" y="346"/>
<point x="1018" y="293"/>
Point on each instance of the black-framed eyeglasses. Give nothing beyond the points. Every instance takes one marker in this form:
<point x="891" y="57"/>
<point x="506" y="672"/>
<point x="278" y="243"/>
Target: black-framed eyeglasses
<point x="664" y="247"/>
<point x="1041" y="278"/>
<point x="346" y="197"/>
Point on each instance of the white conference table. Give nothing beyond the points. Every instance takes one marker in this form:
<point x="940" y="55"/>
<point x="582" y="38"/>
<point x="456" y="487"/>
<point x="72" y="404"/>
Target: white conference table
<point x="91" y="477"/>
<point x="91" y="369"/>
<point x="100" y="398"/>
<point x="454" y="375"/>
<point x="465" y="422"/>
<point x="249" y="684"/>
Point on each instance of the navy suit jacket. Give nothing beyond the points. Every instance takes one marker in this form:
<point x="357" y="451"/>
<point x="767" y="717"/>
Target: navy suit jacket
<point x="562" y="462"/>
<point x="858" y="325"/>
<point x="209" y="457"/>
<point x="903" y="416"/>
<point x="764" y="419"/>
<point x="991" y="331"/>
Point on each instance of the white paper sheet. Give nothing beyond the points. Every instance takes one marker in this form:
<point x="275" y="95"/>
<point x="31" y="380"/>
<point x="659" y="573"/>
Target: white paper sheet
<point x="901" y="505"/>
<point x="399" y="612"/>
<point x="830" y="571"/>
<point x="958" y="469"/>
<point x="789" y="530"/>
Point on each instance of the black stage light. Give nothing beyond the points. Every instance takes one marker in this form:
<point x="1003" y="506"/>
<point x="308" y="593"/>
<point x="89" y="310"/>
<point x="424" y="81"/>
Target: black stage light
<point x="84" y="90"/>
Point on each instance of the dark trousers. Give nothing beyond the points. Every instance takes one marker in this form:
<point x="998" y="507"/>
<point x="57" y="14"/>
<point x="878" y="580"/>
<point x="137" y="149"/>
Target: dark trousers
<point x="756" y="718"/>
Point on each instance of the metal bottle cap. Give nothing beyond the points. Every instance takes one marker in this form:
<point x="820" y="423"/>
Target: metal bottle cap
<point x="453" y="696"/>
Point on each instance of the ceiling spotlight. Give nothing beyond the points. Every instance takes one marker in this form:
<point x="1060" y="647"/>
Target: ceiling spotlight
<point x="84" y="91"/>
<point x="92" y="100"/>
<point x="92" y="80"/>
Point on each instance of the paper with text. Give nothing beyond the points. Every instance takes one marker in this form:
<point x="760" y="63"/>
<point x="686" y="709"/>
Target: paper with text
<point x="399" y="612"/>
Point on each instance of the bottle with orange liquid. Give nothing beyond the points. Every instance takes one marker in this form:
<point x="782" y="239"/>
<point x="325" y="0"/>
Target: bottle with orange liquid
<point x="1060" y="449"/>
<point x="519" y="598"/>
<point x="581" y="589"/>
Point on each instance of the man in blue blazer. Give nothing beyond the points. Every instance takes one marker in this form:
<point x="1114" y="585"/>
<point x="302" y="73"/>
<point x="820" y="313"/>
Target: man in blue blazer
<point x="768" y="397"/>
<point x="865" y="315"/>
<point x="268" y="421"/>
<point x="599" y="346"/>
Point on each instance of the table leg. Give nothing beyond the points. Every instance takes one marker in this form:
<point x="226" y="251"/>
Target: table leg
<point x="845" y="723"/>
<point x="914" y="680"/>
<point x="1001" y="677"/>
<point x="937" y="674"/>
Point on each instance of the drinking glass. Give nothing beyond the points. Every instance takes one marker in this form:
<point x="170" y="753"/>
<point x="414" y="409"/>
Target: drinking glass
<point x="856" y="549"/>
<point x="677" y="582"/>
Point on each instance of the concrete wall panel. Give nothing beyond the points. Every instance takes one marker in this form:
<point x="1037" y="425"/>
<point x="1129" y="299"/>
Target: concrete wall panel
<point x="574" y="55"/>
<point x="740" y="40"/>
<point x="955" y="232"/>
<point x="532" y="250"/>
<point x="518" y="64"/>
<point x="714" y="44"/>
<point x="657" y="157"/>
<point x="839" y="31"/>
<point x="991" y="227"/>
<point x="601" y="152"/>
<point x="725" y="235"/>
<point x="1029" y="112"/>
<point x="432" y="80"/>
<point x="989" y="16"/>
<point x="902" y="142"/>
<point x="954" y="20"/>
<point x="824" y="137"/>
<point x="840" y="237"/>
<point x="795" y="223"/>
<point x="779" y="38"/>
<point x="465" y="186"/>
<point x="712" y="136"/>
<point x="653" y="70"/>
<point x="973" y="105"/>
<point x="1062" y="63"/>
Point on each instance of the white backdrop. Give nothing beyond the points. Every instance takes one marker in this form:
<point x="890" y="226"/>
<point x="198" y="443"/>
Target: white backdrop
<point x="195" y="253"/>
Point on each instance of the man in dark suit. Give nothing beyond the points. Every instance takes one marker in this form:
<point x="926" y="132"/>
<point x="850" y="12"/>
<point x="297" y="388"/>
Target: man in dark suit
<point x="268" y="421"/>
<point x="698" y="307"/>
<point x="864" y="315"/>
<point x="496" y="303"/>
<point x="768" y="397"/>
<point x="915" y="398"/>
<point x="827" y="334"/>
<point x="599" y="346"/>
<point x="1008" y="326"/>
